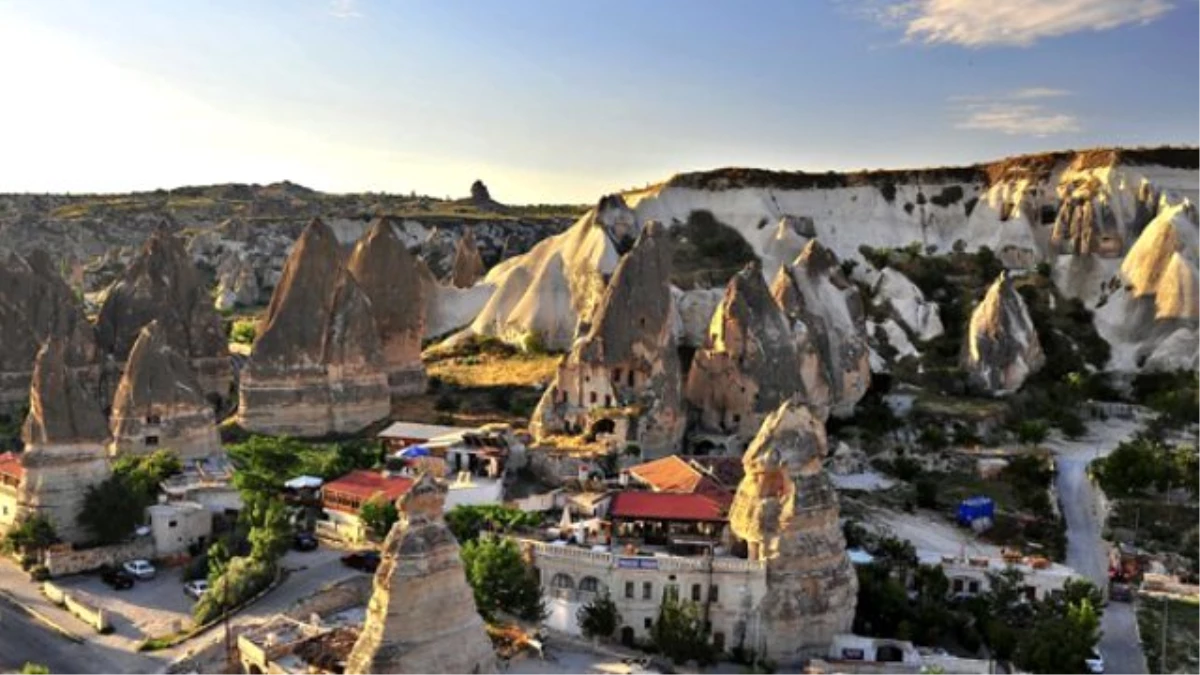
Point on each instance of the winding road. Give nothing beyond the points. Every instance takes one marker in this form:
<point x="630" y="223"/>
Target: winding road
<point x="1087" y="552"/>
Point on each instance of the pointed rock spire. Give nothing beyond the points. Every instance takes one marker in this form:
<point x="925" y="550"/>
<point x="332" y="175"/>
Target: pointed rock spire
<point x="163" y="283"/>
<point x="468" y="263"/>
<point x="317" y="366"/>
<point x="388" y="274"/>
<point x="1002" y="346"/>
<point x="422" y="616"/>
<point x="160" y="404"/>
<point x="61" y="411"/>
<point x="787" y="511"/>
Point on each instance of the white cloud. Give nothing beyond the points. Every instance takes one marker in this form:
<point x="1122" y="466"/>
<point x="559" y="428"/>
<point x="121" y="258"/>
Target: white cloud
<point x="1008" y="23"/>
<point x="1014" y="113"/>
<point x="344" y="9"/>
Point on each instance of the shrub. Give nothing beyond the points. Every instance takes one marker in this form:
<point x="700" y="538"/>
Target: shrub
<point x="242" y="580"/>
<point x="243" y="331"/>
<point x="599" y="618"/>
<point x="500" y="580"/>
<point x="679" y="632"/>
<point x="379" y="514"/>
<point x="39" y="573"/>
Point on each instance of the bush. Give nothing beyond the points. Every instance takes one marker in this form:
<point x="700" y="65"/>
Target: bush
<point x="243" y="579"/>
<point x="466" y="522"/>
<point x="927" y="493"/>
<point x="380" y="515"/>
<point x="500" y="580"/>
<point x="679" y="632"/>
<point x="39" y="573"/>
<point x="243" y="331"/>
<point x="600" y="617"/>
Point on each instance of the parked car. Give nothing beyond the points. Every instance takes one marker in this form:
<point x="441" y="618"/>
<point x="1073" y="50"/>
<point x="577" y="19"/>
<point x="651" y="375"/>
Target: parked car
<point x="364" y="561"/>
<point x="304" y="541"/>
<point x="141" y="569"/>
<point x="195" y="588"/>
<point x="1096" y="663"/>
<point x="116" y="578"/>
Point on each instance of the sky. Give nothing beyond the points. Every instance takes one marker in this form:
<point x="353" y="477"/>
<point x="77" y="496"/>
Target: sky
<point x="557" y="101"/>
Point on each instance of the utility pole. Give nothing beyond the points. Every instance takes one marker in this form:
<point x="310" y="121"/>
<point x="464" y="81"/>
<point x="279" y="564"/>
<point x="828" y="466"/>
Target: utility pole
<point x="1162" y="659"/>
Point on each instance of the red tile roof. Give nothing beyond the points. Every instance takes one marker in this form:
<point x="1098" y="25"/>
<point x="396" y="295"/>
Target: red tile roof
<point x="366" y="484"/>
<point x="670" y="506"/>
<point x="674" y="474"/>
<point x="10" y="465"/>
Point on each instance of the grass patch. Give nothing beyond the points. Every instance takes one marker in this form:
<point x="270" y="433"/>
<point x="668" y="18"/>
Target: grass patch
<point x="493" y="371"/>
<point x="1183" y="647"/>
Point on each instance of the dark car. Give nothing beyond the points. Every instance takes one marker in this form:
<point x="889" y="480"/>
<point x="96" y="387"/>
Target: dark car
<point x="117" y="578"/>
<point x="304" y="541"/>
<point x="364" y="561"/>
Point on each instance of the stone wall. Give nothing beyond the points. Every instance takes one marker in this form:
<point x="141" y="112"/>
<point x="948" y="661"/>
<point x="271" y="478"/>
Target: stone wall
<point x="64" y="562"/>
<point x="335" y="597"/>
<point x="92" y="615"/>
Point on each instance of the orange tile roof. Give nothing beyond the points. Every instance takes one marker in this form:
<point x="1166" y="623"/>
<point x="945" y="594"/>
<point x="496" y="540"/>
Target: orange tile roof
<point x="366" y="484"/>
<point x="670" y="506"/>
<point x="10" y="465"/>
<point x="674" y="474"/>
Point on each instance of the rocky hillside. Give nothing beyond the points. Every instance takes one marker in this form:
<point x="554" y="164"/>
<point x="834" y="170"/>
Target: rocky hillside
<point x="1080" y="213"/>
<point x="240" y="234"/>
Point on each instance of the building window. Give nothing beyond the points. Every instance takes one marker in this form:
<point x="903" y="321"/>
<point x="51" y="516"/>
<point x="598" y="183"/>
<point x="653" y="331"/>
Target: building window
<point x="629" y="589"/>
<point x="737" y="419"/>
<point x="630" y="380"/>
<point x="561" y="580"/>
<point x="695" y="592"/>
<point x="607" y="401"/>
<point x="1030" y="593"/>
<point x="973" y="587"/>
<point x="151" y="441"/>
<point x="617" y="375"/>
<point x="958" y="585"/>
<point x="713" y="593"/>
<point x="153" y="419"/>
<point x="671" y="591"/>
<point x="592" y="397"/>
<point x="647" y="590"/>
<point x="589" y="584"/>
<point x="719" y="641"/>
<point x="647" y="623"/>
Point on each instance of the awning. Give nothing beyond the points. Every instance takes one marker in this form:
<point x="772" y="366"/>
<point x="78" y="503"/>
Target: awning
<point x="304" y="482"/>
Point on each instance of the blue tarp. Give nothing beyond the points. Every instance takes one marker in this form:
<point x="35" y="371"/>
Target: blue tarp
<point x="413" y="451"/>
<point x="970" y="510"/>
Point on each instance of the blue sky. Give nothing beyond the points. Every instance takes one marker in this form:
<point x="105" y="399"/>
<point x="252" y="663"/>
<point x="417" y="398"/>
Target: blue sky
<point x="554" y="101"/>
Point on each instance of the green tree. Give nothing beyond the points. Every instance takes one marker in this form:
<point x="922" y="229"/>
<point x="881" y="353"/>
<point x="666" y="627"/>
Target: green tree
<point x="270" y="529"/>
<point x="679" y="631"/>
<point x="218" y="559"/>
<point x="466" y="521"/>
<point x="600" y="617"/>
<point x="242" y="579"/>
<point x="112" y="510"/>
<point x="1032" y="432"/>
<point x="31" y="668"/>
<point x="32" y="536"/>
<point x="926" y="493"/>
<point x="1060" y="642"/>
<point x="379" y="514"/>
<point x="500" y="579"/>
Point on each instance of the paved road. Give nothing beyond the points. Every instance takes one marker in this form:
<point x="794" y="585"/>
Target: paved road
<point x="25" y="639"/>
<point x="1087" y="553"/>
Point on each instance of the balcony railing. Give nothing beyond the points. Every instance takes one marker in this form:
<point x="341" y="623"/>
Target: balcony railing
<point x="666" y="563"/>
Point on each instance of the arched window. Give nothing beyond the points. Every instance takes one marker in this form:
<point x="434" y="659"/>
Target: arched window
<point x="561" y="580"/>
<point x="590" y="584"/>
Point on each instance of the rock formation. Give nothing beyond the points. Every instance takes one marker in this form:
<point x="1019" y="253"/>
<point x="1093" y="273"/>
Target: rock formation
<point x="159" y="403"/>
<point x="422" y="616"/>
<point x="622" y="377"/>
<point x="748" y="364"/>
<point x="162" y="283"/>
<point x="237" y="283"/>
<point x="787" y="511"/>
<point x="827" y="318"/>
<point x="64" y="437"/>
<point x="468" y="263"/>
<point x="906" y="301"/>
<point x="317" y="366"/>
<point x="35" y="305"/>
<point x="1002" y="346"/>
<point x="388" y="274"/>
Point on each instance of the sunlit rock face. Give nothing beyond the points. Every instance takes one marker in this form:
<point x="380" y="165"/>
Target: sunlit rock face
<point x="1002" y="347"/>
<point x="160" y="404"/>
<point x="161" y="283"/>
<point x="827" y="317"/>
<point x="748" y="364"/>
<point x="35" y="305"/>
<point x="389" y="276"/>
<point x="64" y="437"/>
<point x="317" y="366"/>
<point x="468" y="266"/>
<point x="422" y="616"/>
<point x="622" y="377"/>
<point x="786" y="510"/>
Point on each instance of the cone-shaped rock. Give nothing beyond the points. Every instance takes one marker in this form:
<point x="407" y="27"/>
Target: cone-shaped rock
<point x="1002" y="346"/>
<point x="64" y="437"/>
<point x="317" y="367"/>
<point x="388" y="274"/>
<point x="422" y="616"/>
<point x="36" y="304"/>
<point x="159" y="403"/>
<point x="468" y="263"/>
<point x="1162" y="263"/>
<point x="787" y="511"/>
<point x="162" y="283"/>
<point x="748" y="364"/>
<point x="827" y="317"/>
<point x="623" y="376"/>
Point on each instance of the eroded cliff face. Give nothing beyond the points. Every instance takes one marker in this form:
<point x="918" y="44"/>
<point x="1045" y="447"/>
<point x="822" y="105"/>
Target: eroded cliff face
<point x="787" y="511"/>
<point x="64" y="437"/>
<point x="387" y="273"/>
<point x="162" y="284"/>
<point x="622" y="377"/>
<point x="827" y="316"/>
<point x="317" y="366"/>
<point x="468" y="264"/>
<point x="422" y="616"/>
<point x="748" y="364"/>
<point x="160" y="404"/>
<point x="1002" y="347"/>
<point x="35" y="305"/>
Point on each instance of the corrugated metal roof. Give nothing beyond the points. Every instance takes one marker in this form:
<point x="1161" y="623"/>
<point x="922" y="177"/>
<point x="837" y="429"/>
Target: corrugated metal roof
<point x="418" y="430"/>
